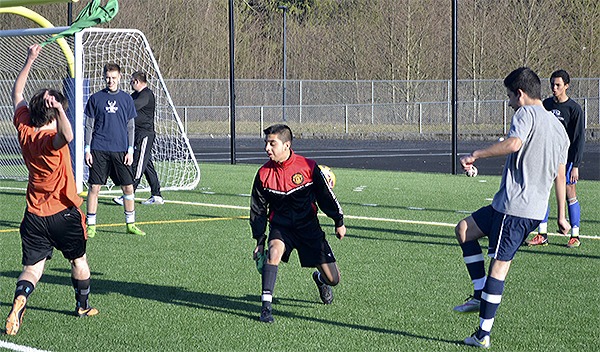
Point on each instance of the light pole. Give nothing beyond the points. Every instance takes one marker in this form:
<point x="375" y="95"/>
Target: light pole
<point x="284" y="59"/>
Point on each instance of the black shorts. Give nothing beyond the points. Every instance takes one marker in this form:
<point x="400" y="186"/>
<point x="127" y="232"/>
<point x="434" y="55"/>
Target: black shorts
<point x="63" y="231"/>
<point x="111" y="164"/>
<point x="313" y="248"/>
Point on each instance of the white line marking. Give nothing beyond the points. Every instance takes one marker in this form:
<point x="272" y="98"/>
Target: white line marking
<point x="401" y="221"/>
<point x="15" y="347"/>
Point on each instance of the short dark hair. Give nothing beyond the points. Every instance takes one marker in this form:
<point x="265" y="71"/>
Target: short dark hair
<point x="111" y="67"/>
<point x="140" y="76"/>
<point x="284" y="132"/>
<point x="561" y="74"/>
<point x="39" y="113"/>
<point x="526" y="80"/>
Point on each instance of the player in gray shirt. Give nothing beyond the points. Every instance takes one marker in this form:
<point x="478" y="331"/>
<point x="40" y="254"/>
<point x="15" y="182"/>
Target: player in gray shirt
<point x="536" y="149"/>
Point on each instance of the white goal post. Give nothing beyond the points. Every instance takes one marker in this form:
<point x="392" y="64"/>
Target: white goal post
<point x="173" y="157"/>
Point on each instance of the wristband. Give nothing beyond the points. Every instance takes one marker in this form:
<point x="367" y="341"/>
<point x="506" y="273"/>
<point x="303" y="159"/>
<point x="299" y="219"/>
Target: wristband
<point x="130" y="150"/>
<point x="86" y="149"/>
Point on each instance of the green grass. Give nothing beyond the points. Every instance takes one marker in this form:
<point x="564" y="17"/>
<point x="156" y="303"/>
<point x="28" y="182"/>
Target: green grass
<point x="191" y="284"/>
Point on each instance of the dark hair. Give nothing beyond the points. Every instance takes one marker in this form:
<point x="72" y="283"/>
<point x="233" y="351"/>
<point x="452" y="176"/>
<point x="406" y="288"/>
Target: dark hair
<point x="40" y="114"/>
<point x="111" y="67"/>
<point x="140" y="76"/>
<point x="561" y="74"/>
<point x="526" y="80"/>
<point x="282" y="131"/>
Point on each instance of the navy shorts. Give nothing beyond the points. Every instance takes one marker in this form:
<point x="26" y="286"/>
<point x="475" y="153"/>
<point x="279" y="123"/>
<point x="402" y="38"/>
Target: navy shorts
<point x="313" y="249"/>
<point x="63" y="231"/>
<point x="505" y="233"/>
<point x="111" y="164"/>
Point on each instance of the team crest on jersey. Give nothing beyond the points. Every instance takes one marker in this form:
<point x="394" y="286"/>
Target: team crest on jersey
<point x="112" y="107"/>
<point x="297" y="178"/>
<point x="557" y="113"/>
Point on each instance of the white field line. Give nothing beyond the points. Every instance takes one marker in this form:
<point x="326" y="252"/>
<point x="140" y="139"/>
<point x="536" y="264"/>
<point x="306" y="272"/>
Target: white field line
<point x="14" y="347"/>
<point x="399" y="221"/>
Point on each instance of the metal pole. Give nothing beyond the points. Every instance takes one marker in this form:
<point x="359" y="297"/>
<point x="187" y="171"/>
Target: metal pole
<point x="231" y="82"/>
<point x="69" y="14"/>
<point x="284" y="59"/>
<point x="454" y="85"/>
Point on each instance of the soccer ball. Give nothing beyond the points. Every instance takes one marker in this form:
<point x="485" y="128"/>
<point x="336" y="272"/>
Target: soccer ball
<point x="329" y="175"/>
<point x="472" y="172"/>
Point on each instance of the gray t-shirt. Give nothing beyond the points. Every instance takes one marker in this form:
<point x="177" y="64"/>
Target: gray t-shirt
<point x="530" y="172"/>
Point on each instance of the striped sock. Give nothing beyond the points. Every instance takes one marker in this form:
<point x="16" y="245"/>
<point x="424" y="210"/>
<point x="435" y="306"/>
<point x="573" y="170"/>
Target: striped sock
<point x="473" y="258"/>
<point x="490" y="301"/>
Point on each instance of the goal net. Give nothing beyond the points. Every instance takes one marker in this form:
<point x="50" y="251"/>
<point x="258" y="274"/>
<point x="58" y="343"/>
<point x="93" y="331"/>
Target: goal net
<point x="173" y="157"/>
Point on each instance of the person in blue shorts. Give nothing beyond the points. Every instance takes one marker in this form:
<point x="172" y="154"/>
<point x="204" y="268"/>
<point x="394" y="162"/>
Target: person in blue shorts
<point x="570" y="114"/>
<point x="536" y="153"/>
<point x="109" y="138"/>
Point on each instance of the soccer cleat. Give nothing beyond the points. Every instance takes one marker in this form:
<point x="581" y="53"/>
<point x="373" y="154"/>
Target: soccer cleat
<point x="91" y="231"/>
<point x="154" y="200"/>
<point x="537" y="240"/>
<point x="118" y="200"/>
<point x="134" y="230"/>
<point x="471" y="305"/>
<point x="574" y="242"/>
<point x="15" y="317"/>
<point x="481" y="343"/>
<point x="266" y="315"/>
<point x="325" y="290"/>
<point x="88" y="312"/>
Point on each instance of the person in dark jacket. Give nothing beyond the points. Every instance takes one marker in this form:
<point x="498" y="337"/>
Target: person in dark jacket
<point x="287" y="193"/>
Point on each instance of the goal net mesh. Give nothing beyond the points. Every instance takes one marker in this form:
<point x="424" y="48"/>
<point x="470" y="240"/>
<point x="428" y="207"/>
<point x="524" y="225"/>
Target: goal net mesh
<point x="173" y="157"/>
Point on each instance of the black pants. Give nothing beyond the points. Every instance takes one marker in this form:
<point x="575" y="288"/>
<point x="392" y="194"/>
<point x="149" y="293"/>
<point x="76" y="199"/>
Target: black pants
<point x="143" y="165"/>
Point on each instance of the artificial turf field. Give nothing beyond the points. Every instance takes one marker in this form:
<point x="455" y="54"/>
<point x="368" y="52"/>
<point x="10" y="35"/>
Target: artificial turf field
<point x="191" y="285"/>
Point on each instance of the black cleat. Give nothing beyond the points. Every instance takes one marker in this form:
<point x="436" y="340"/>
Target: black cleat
<point x="266" y="315"/>
<point x="325" y="290"/>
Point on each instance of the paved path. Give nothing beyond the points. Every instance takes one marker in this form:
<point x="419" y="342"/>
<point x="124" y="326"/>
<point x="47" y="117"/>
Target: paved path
<point x="418" y="156"/>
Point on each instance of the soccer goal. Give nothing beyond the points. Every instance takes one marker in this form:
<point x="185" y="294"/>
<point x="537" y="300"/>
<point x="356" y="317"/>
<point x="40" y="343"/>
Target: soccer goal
<point x="79" y="77"/>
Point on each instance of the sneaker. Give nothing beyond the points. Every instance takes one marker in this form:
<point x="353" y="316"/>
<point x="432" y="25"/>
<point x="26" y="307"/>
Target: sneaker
<point x="474" y="341"/>
<point x="266" y="315"/>
<point x="132" y="229"/>
<point x="118" y="200"/>
<point x="88" y="312"/>
<point x="471" y="305"/>
<point x="574" y="242"/>
<point x="325" y="290"/>
<point x="15" y="317"/>
<point x="91" y="231"/>
<point x="154" y="200"/>
<point x="538" y="240"/>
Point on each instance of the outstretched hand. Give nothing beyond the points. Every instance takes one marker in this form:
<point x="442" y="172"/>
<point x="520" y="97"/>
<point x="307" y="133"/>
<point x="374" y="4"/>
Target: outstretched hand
<point x="467" y="161"/>
<point x="33" y="52"/>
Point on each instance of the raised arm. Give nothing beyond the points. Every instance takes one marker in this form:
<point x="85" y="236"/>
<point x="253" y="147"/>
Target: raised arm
<point x="64" y="131"/>
<point x="19" y="86"/>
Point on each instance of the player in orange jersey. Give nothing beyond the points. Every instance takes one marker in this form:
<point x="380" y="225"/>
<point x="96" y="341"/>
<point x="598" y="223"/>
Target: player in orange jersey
<point x="52" y="218"/>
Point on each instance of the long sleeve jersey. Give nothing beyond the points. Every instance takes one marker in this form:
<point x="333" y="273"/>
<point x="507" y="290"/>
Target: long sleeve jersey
<point x="571" y="116"/>
<point x="290" y="194"/>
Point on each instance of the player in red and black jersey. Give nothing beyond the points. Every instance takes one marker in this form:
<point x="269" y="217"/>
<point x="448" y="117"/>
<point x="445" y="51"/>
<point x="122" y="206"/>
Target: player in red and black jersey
<point x="287" y="192"/>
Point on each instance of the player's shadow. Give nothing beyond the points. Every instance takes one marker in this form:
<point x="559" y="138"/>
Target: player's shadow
<point x="392" y="235"/>
<point x="247" y="306"/>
